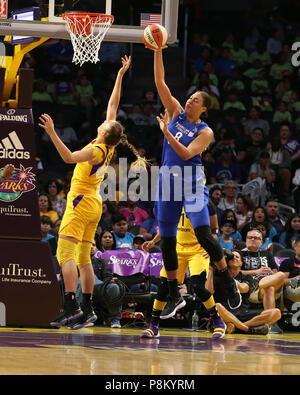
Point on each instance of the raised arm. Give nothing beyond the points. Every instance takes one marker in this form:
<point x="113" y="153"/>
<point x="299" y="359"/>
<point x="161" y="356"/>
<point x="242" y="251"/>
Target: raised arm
<point x="66" y="155"/>
<point x="114" y="101"/>
<point x="169" y="102"/>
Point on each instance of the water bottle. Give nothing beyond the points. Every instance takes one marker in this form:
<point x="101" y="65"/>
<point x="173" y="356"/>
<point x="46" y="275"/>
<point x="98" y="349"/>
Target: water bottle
<point x="195" y="321"/>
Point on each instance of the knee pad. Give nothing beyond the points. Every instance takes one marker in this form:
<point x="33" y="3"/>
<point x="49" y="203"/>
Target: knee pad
<point x="209" y="243"/>
<point x="83" y="254"/>
<point x="199" y="287"/>
<point x="168" y="249"/>
<point x="163" y="290"/>
<point x="66" y="251"/>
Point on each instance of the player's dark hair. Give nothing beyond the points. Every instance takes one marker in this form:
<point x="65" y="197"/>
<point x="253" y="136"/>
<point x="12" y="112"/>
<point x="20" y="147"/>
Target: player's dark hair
<point x="206" y="99"/>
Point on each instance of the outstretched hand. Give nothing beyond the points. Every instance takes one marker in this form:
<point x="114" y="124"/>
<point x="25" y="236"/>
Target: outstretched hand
<point x="163" y="122"/>
<point x="157" y="49"/>
<point x="126" y="60"/>
<point x="47" y="123"/>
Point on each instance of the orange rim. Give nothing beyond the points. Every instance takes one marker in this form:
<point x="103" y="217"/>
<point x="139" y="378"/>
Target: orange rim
<point x="104" y="18"/>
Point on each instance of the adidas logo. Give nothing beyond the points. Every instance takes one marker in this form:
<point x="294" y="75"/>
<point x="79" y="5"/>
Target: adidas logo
<point x="12" y="148"/>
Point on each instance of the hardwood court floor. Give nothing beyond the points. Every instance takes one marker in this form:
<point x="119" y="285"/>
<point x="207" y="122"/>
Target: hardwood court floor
<point x="105" y="351"/>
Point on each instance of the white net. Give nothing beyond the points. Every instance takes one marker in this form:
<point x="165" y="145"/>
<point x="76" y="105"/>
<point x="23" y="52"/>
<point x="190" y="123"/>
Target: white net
<point x="87" y="33"/>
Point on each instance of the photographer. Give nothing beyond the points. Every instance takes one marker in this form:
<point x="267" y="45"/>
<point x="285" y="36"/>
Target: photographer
<point x="243" y="319"/>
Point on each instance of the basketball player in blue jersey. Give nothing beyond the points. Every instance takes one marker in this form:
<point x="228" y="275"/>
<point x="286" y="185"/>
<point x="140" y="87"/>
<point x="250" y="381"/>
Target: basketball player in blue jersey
<point x="186" y="137"/>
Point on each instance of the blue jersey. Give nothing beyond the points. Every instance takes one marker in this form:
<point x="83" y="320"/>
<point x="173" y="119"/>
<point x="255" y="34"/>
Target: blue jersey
<point x="181" y="182"/>
<point x="185" y="132"/>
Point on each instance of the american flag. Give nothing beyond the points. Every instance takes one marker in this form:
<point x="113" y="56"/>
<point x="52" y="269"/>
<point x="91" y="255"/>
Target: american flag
<point x="148" y="19"/>
<point x="3" y="9"/>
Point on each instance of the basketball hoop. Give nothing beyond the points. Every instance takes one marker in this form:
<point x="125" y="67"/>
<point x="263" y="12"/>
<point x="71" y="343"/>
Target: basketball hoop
<point x="87" y="32"/>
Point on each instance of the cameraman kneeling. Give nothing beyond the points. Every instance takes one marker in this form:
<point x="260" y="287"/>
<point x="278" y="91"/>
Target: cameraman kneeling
<point x="244" y="319"/>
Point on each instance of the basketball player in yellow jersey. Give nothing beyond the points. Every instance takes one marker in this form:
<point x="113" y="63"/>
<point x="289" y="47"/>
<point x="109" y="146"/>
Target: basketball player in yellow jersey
<point x="84" y="207"/>
<point x="190" y="255"/>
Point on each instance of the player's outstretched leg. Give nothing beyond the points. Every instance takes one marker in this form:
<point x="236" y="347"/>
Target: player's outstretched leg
<point x="215" y="251"/>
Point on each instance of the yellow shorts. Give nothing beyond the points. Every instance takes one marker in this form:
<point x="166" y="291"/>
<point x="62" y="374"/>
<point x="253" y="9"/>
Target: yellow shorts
<point x="81" y="218"/>
<point x="195" y="261"/>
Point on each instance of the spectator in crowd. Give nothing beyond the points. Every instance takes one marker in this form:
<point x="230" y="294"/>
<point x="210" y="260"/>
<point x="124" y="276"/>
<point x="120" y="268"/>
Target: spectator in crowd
<point x="84" y="92"/>
<point x="255" y="145"/>
<point x="205" y="56"/>
<point x="124" y="239"/>
<point x="281" y="164"/>
<point x="53" y="188"/>
<point x="40" y="93"/>
<point x="105" y="241"/>
<point x="255" y="121"/>
<point x="215" y="194"/>
<point x="259" y="216"/>
<point x="224" y="64"/>
<point x="268" y="283"/>
<point x="274" y="217"/>
<point x="134" y="214"/>
<point x="283" y="90"/>
<point x="261" y="54"/>
<point x="251" y="39"/>
<point x="230" y="194"/>
<point x="282" y="67"/>
<point x="233" y="102"/>
<point x="292" y="146"/>
<point x="149" y="227"/>
<point x="244" y="319"/>
<point x="238" y="53"/>
<point x="228" y="226"/>
<point x="274" y="44"/>
<point x="46" y="226"/>
<point x="108" y="209"/>
<point x="260" y="85"/>
<point x="264" y="227"/>
<point x="282" y="114"/>
<point x="234" y="82"/>
<point x="291" y="231"/>
<point x="226" y="168"/>
<point x="229" y="213"/>
<point x="262" y="169"/>
<point x="46" y="207"/>
<point x="244" y="210"/>
<point x="291" y="269"/>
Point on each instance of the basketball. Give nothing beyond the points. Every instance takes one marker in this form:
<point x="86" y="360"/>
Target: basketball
<point x="155" y="36"/>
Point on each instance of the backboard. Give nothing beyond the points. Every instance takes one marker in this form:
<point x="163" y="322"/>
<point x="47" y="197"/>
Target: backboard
<point x="130" y="18"/>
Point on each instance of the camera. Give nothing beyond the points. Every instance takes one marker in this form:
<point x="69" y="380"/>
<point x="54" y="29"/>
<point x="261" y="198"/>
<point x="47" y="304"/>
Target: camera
<point x="228" y="255"/>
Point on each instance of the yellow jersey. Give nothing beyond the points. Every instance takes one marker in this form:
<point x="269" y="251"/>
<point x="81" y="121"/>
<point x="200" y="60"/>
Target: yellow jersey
<point x="86" y="177"/>
<point x="186" y="238"/>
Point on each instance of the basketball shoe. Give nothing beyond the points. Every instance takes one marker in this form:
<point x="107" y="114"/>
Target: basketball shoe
<point x="171" y="307"/>
<point x="151" y="332"/>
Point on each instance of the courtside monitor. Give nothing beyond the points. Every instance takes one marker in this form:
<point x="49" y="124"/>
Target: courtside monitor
<point x="25" y="14"/>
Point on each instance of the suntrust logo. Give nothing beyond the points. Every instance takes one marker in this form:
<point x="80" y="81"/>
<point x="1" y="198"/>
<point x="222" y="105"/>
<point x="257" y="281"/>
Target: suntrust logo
<point x="15" y="273"/>
<point x="14" y="269"/>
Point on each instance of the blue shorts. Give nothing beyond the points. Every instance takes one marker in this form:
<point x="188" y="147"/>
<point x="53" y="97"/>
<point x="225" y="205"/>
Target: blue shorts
<point x="175" y="192"/>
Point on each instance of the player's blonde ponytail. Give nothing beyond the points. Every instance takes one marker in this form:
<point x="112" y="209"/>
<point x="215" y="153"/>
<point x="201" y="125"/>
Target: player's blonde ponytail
<point x="140" y="162"/>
